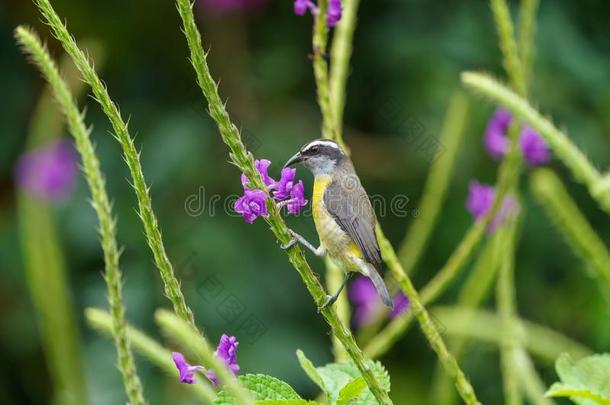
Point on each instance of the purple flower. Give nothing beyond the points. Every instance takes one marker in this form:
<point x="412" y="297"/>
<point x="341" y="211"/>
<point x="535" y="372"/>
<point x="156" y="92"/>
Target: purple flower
<point x="284" y="186"/>
<point x="367" y="305"/>
<point x="227" y="352"/>
<point x="401" y="305"/>
<point x="333" y="15"/>
<point x="496" y="140"/>
<point x="49" y="172"/>
<point x="187" y="372"/>
<point x="297" y="198"/>
<point x="301" y="7"/>
<point x="252" y="205"/>
<point x="262" y="166"/>
<point x="480" y="200"/>
<point x="533" y="147"/>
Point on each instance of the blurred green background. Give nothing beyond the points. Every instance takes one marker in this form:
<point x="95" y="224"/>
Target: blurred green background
<point x="407" y="56"/>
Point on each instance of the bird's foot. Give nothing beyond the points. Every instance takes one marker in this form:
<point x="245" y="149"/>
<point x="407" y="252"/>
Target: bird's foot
<point x="291" y="242"/>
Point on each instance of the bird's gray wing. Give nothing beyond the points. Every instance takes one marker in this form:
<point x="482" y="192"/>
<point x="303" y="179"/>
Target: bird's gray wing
<point x="349" y="205"/>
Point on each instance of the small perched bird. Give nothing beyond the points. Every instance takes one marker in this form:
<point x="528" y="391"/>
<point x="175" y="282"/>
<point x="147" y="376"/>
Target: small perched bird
<point x="343" y="215"/>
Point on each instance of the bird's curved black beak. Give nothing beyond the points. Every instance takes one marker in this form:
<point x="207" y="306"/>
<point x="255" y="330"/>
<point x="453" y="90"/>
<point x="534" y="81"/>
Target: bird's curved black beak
<point x="297" y="158"/>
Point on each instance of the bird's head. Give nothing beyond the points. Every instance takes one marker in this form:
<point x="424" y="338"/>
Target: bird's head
<point x="320" y="156"/>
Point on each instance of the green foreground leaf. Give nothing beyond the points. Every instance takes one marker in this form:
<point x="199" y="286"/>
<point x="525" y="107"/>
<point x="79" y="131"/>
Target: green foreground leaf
<point x="585" y="381"/>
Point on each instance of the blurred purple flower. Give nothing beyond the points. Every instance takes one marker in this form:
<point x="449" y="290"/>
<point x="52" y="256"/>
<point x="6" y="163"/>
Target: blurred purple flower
<point x="187" y="372"/>
<point x="535" y="150"/>
<point x="401" y="305"/>
<point x="367" y="304"/>
<point x="219" y="7"/>
<point x="333" y="15"/>
<point x="496" y="140"/>
<point x="252" y="205"/>
<point x="533" y="147"/>
<point x="227" y="352"/>
<point x="301" y="7"/>
<point x="49" y="172"/>
<point x="480" y="200"/>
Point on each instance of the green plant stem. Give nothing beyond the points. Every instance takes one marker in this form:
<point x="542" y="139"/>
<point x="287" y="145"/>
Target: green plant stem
<point x="130" y="154"/>
<point x="149" y="348"/>
<point x="486" y="326"/>
<point x="506" y="310"/>
<point x="320" y="69"/>
<point x="245" y="162"/>
<point x="428" y="327"/>
<point x="100" y="201"/>
<point x="527" y="30"/>
<point x="45" y="266"/>
<point x="183" y="333"/>
<point x="340" y="54"/>
<point x="437" y="183"/>
<point x="384" y="340"/>
<point x="508" y="45"/>
<point x="334" y="279"/>
<point x="531" y="383"/>
<point x="582" y="170"/>
<point x="572" y="224"/>
<point x="471" y="294"/>
<point x="334" y="84"/>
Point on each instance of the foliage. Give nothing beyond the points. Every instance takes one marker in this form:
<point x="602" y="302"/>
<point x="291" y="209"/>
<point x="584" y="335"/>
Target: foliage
<point x="585" y="381"/>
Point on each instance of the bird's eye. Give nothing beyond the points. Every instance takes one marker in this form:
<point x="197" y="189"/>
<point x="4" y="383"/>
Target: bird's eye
<point x="314" y="149"/>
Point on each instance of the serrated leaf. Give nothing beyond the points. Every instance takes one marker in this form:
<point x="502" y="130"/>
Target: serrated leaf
<point x="336" y="376"/>
<point x="310" y="370"/>
<point x="585" y="381"/>
<point x="352" y="390"/>
<point x="262" y="387"/>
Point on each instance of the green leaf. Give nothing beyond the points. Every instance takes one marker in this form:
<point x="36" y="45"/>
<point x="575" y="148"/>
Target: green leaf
<point x="585" y="381"/>
<point x="351" y="391"/>
<point x="336" y="376"/>
<point x="310" y="370"/>
<point x="343" y="383"/>
<point x="262" y="387"/>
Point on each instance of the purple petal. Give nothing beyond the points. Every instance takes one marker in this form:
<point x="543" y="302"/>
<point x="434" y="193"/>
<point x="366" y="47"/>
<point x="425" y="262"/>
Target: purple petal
<point x="533" y="147"/>
<point x="301" y="7"/>
<point x="480" y="199"/>
<point x="496" y="138"/>
<point x="252" y="205"/>
<point x="366" y="302"/>
<point x="186" y="371"/>
<point x="226" y="351"/>
<point x="401" y="305"/>
<point x="285" y="184"/>
<point x="334" y="12"/>
<point x="50" y="172"/>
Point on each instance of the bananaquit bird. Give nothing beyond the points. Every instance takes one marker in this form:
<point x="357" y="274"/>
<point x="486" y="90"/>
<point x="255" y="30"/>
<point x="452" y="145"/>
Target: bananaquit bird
<point x="343" y="215"/>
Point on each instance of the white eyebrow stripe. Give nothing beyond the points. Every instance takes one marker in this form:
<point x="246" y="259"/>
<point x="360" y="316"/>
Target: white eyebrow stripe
<point x="321" y="143"/>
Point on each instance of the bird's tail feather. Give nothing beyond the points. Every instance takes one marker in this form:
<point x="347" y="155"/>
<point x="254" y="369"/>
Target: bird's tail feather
<point x="381" y="288"/>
